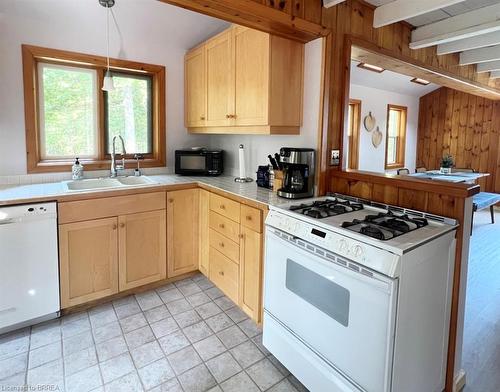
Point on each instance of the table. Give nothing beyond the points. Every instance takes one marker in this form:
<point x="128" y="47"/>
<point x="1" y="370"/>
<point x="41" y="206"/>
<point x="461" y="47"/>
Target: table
<point x="467" y="177"/>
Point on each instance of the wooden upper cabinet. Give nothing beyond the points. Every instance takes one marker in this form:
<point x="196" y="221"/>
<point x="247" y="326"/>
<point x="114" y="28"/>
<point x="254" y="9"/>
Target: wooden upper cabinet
<point x="88" y="254"/>
<point x="251" y="49"/>
<point x="254" y="83"/>
<point x="143" y="248"/>
<point x="195" y="85"/>
<point x="183" y="231"/>
<point x="220" y="80"/>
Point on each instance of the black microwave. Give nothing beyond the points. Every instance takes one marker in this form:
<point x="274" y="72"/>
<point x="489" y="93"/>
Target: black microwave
<point x="199" y="161"/>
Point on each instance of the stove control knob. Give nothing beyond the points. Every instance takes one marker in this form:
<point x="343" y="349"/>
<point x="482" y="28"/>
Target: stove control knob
<point x="342" y="246"/>
<point x="357" y="251"/>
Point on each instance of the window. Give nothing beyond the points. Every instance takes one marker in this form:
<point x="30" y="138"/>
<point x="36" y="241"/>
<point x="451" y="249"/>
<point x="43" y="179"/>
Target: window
<point x="68" y="115"/>
<point x="353" y="125"/>
<point x="396" y="137"/>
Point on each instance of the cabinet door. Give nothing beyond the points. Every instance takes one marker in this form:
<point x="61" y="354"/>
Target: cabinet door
<point x="251" y="272"/>
<point x="251" y="49"/>
<point x="183" y="231"/>
<point x="88" y="254"/>
<point x="142" y="248"/>
<point x="220" y="80"/>
<point x="204" y="229"/>
<point x="195" y="88"/>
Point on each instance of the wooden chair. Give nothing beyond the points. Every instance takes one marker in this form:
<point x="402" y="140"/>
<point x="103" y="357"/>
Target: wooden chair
<point x="403" y="171"/>
<point x="463" y="170"/>
<point x="420" y="170"/>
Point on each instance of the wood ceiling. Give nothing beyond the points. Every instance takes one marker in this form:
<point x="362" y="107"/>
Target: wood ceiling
<point x="469" y="28"/>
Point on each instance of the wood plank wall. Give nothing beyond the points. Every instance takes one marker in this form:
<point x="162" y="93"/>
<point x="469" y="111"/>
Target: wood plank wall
<point x="465" y="126"/>
<point x="355" y="18"/>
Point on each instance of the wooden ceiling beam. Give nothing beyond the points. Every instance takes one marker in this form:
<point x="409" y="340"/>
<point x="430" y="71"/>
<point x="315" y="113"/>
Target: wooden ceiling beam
<point x="481" y="55"/>
<point x="258" y="16"/>
<point x="479" y="41"/>
<point x="399" y="10"/>
<point x="488" y="67"/>
<point x="470" y="24"/>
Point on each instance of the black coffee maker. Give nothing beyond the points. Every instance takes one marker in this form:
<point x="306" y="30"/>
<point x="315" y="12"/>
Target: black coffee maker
<point x="298" y="172"/>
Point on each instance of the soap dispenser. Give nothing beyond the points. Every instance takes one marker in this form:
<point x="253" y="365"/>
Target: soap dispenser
<point x="77" y="170"/>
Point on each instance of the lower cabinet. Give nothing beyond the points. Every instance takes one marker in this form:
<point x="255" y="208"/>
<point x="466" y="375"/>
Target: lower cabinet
<point x="88" y="260"/>
<point x="183" y="231"/>
<point x="204" y="229"/>
<point x="251" y="244"/>
<point x="143" y="248"/>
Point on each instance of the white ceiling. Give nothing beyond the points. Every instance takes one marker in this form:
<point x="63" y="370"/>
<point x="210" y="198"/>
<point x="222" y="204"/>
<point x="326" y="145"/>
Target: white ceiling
<point x="388" y="81"/>
<point x="158" y="20"/>
<point x="442" y="13"/>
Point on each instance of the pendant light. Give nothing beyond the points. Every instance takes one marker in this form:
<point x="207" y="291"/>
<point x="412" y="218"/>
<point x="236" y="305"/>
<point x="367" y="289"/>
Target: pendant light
<point x="107" y="84"/>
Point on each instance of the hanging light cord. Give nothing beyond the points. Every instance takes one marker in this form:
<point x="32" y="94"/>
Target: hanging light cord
<point x="107" y="34"/>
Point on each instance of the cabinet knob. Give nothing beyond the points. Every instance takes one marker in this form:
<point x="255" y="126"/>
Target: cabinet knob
<point x="170" y="200"/>
<point x="233" y="115"/>
<point x="248" y="218"/>
<point x="241" y="236"/>
<point x="221" y="225"/>
<point x="122" y="225"/>
<point x="202" y="117"/>
<point x="221" y="244"/>
<point x="228" y="116"/>
<point x="114" y="227"/>
<point x="221" y="273"/>
<point x="222" y="207"/>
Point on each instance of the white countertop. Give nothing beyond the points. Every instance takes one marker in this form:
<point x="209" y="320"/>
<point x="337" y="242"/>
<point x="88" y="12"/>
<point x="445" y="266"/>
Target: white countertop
<point x="16" y="194"/>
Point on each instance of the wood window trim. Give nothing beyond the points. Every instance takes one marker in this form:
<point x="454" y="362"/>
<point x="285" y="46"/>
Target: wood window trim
<point x="353" y="155"/>
<point x="32" y="55"/>
<point x="401" y="146"/>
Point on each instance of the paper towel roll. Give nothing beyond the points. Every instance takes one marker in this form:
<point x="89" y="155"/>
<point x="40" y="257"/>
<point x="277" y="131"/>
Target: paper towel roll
<point x="241" y="156"/>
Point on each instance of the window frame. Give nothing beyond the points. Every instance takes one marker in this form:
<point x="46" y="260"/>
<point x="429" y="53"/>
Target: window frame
<point x="401" y="138"/>
<point x="33" y="55"/>
<point x="353" y="133"/>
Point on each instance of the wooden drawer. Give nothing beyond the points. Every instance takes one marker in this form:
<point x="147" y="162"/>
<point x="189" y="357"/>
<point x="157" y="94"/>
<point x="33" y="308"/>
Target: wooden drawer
<point x="224" y="245"/>
<point x="224" y="273"/>
<point x="76" y="211"/>
<point x="225" y="226"/>
<point x="251" y="218"/>
<point x="224" y="206"/>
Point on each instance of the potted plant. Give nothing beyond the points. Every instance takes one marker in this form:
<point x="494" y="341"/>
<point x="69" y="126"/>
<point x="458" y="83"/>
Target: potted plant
<point x="446" y="164"/>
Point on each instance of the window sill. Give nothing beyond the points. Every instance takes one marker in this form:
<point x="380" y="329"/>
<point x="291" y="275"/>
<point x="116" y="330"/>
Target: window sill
<point x="64" y="166"/>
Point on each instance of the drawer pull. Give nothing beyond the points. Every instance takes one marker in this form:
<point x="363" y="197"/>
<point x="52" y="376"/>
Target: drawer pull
<point x="122" y="225"/>
<point x="249" y="218"/>
<point x="222" y="207"/>
<point x="114" y="227"/>
<point x="221" y="244"/>
<point x="202" y="117"/>
<point x="228" y="116"/>
<point x="221" y="225"/>
<point x="221" y="273"/>
<point x="170" y="200"/>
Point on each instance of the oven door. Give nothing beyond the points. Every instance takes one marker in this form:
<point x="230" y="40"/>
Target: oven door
<point x="346" y="317"/>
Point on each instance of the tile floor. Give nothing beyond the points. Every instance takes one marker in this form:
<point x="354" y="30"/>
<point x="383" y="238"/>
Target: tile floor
<point x="185" y="336"/>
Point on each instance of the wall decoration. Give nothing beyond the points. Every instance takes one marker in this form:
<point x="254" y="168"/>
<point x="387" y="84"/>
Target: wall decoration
<point x="369" y="122"/>
<point x="376" y="137"/>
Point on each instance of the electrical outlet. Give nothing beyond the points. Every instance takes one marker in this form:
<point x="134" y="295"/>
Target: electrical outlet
<point x="335" y="158"/>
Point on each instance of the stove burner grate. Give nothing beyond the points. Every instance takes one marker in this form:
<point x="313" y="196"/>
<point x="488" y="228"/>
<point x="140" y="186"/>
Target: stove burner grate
<point x="385" y="226"/>
<point x="320" y="209"/>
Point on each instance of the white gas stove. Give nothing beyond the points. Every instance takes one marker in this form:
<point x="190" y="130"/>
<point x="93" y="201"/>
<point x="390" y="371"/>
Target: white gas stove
<point x="357" y="294"/>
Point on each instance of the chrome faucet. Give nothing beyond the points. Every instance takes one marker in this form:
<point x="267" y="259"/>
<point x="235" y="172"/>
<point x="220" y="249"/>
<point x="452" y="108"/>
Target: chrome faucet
<point x="114" y="166"/>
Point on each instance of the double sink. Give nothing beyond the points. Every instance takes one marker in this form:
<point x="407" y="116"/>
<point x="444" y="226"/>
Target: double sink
<point x="107" y="183"/>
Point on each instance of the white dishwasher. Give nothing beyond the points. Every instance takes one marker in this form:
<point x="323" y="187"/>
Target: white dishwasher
<point x="29" y="265"/>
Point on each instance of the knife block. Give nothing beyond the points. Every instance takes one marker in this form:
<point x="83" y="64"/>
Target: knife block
<point x="278" y="180"/>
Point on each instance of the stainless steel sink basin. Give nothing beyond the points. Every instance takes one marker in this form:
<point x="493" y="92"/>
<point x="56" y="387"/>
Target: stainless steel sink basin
<point x="107" y="183"/>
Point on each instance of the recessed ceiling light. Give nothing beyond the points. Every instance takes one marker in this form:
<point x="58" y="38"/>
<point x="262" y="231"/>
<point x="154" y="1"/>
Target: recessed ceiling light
<point x="371" y="67"/>
<point x="423" y="82"/>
